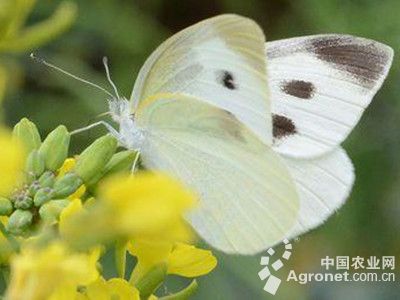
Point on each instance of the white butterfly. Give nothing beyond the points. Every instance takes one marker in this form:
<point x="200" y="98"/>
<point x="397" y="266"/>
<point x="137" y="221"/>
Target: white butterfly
<point x="261" y="150"/>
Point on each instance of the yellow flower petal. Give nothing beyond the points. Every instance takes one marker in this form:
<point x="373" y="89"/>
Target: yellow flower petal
<point x="12" y="158"/>
<point x="78" y="193"/>
<point x="72" y="209"/>
<point x="67" y="166"/>
<point x="115" y="288"/>
<point x="66" y="292"/>
<point x="97" y="290"/>
<point x="181" y="259"/>
<point x="146" y="202"/>
<point x="122" y="290"/>
<point x="146" y="206"/>
<point x="149" y="254"/>
<point x="189" y="261"/>
<point x="37" y="273"/>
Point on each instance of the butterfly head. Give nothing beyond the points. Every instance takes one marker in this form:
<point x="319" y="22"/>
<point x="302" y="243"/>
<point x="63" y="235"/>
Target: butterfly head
<point x="120" y="109"/>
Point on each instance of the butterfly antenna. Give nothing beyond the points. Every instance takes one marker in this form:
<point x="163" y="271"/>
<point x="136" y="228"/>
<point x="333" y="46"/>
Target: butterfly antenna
<point x="42" y="61"/>
<point x="105" y="63"/>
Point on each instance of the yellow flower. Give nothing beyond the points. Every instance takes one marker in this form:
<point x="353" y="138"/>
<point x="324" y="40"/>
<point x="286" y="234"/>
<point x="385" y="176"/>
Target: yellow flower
<point x="147" y="203"/>
<point x="181" y="259"/>
<point x="115" y="288"/>
<point x="12" y="158"/>
<point x="36" y="273"/>
<point x="147" y="206"/>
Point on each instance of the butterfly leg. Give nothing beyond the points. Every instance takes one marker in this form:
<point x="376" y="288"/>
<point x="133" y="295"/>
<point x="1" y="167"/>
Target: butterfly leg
<point x="135" y="162"/>
<point x="105" y="124"/>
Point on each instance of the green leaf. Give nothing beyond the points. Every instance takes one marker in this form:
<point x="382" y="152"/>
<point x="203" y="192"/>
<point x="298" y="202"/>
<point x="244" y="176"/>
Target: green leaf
<point x="39" y="34"/>
<point x="17" y="11"/>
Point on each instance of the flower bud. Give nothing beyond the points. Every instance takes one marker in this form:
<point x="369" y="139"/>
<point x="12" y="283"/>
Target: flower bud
<point x="54" y="148"/>
<point x="67" y="185"/>
<point x="19" y="221"/>
<point x="25" y="203"/>
<point x="35" y="164"/>
<point x="42" y="196"/>
<point x="119" y="162"/>
<point x="5" y="206"/>
<point x="47" y="179"/>
<point x="92" y="161"/>
<point x="33" y="188"/>
<point x="50" y="212"/>
<point x="27" y="132"/>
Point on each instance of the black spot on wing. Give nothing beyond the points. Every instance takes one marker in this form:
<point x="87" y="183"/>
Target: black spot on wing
<point x="362" y="59"/>
<point x="227" y="79"/>
<point x="298" y="88"/>
<point x="282" y="126"/>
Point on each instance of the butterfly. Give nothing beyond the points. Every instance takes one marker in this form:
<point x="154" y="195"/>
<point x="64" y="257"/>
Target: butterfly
<point x="254" y="128"/>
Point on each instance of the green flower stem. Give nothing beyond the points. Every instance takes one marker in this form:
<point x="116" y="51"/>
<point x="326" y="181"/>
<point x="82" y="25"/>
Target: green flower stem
<point x="120" y="258"/>
<point x="184" y="294"/>
<point x="150" y="282"/>
<point x="13" y="242"/>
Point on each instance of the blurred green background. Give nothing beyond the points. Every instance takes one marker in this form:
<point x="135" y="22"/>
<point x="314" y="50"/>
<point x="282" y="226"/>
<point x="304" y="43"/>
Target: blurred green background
<point x="127" y="32"/>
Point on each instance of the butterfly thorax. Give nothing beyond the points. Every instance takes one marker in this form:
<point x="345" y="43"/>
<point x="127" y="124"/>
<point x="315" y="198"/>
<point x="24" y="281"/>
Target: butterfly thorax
<point x="130" y="136"/>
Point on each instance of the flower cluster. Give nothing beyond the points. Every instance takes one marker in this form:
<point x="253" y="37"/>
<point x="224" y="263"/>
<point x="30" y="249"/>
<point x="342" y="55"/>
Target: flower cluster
<point x="60" y="216"/>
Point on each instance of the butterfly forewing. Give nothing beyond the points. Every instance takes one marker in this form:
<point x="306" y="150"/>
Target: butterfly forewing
<point x="220" y="61"/>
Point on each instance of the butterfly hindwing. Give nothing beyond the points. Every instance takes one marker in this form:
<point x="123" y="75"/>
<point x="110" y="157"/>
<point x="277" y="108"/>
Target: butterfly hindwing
<point x="323" y="185"/>
<point x="320" y="86"/>
<point x="248" y="200"/>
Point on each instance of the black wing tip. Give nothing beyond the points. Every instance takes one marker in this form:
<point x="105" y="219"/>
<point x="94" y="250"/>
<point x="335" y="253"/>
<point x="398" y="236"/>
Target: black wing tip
<point x="366" y="60"/>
